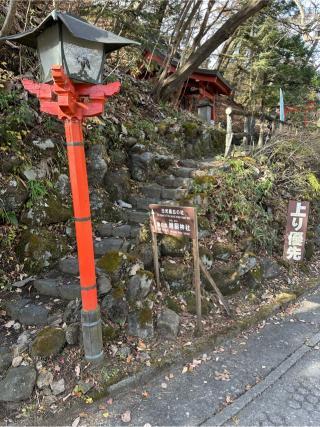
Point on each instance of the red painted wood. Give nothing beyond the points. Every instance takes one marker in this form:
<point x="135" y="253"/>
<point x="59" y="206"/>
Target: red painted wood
<point x="72" y="103"/>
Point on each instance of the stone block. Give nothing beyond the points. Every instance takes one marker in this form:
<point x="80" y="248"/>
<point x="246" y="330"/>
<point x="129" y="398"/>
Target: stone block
<point x="168" y="324"/>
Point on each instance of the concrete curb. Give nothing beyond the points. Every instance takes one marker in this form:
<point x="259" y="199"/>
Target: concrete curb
<point x="145" y="374"/>
<point x="226" y="414"/>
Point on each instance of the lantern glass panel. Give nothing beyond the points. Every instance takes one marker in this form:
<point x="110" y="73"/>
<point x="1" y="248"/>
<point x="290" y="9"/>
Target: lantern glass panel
<point x="82" y="59"/>
<point x="49" y="50"/>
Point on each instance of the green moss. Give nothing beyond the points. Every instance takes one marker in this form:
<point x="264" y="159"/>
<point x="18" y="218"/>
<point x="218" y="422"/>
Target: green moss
<point x="223" y="250"/>
<point x="146" y="273"/>
<point x="39" y="248"/>
<point x="284" y="298"/>
<point x="204" y="223"/>
<point x="217" y="145"/>
<point x="144" y="234"/>
<point x="257" y="274"/>
<point x="227" y="279"/>
<point x="109" y="375"/>
<point x="191" y="304"/>
<point x="48" y="342"/>
<point x="314" y="182"/>
<point x="191" y="129"/>
<point x="173" y="305"/>
<point x="205" y="179"/>
<point x="145" y="316"/>
<point x="46" y="210"/>
<point x="174" y="246"/>
<point x="118" y="292"/>
<point x="109" y="333"/>
<point x="162" y="127"/>
<point x="176" y="271"/>
<point x="111" y="261"/>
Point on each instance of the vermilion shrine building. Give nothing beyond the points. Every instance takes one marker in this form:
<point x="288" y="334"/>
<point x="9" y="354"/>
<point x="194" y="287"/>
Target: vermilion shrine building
<point x="200" y="91"/>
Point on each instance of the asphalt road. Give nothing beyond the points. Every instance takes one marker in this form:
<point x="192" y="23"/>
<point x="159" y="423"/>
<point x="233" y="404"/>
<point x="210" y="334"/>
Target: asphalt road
<point x="268" y="376"/>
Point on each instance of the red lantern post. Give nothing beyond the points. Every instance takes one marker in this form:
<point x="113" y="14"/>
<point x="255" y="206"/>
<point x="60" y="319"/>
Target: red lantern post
<point x="72" y="103"/>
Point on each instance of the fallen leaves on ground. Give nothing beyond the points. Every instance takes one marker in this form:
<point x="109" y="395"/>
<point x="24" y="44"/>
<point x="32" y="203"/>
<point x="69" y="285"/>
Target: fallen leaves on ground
<point x="191" y="366"/>
<point x="126" y="417"/>
<point x="75" y="422"/>
<point x="141" y="346"/>
<point x="235" y="420"/>
<point x="77" y="370"/>
<point x="164" y="385"/>
<point x="229" y="399"/>
<point x="222" y="376"/>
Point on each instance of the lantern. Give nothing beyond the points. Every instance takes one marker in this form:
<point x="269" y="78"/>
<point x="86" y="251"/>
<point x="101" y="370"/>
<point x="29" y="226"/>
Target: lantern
<point x="72" y="54"/>
<point x="80" y="47"/>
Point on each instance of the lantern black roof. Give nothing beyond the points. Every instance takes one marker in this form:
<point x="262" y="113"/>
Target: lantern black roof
<point x="77" y="27"/>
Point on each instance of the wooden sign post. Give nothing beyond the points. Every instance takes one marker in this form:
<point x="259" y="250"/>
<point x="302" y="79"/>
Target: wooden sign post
<point x="296" y="230"/>
<point x="177" y="221"/>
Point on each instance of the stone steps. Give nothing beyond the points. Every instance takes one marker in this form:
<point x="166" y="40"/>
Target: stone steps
<point x="182" y="172"/>
<point x="163" y="193"/>
<point x="58" y="288"/>
<point x="66" y="287"/>
<point x="109" y="229"/>
<point x="136" y="216"/>
<point x="171" y="181"/>
<point x="141" y="202"/>
<point x="189" y="163"/>
<point x="108" y="244"/>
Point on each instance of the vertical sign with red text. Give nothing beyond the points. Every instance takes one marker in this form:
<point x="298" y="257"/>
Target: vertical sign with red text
<point x="296" y="230"/>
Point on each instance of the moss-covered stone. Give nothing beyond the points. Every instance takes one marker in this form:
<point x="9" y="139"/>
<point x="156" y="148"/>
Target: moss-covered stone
<point x="253" y="278"/>
<point x="117" y="184"/>
<point x="223" y="250"/>
<point x="284" y="298"/>
<point x="174" y="246"/>
<point x="204" y="223"/>
<point x="48" y="342"/>
<point x="109" y="333"/>
<point x="162" y="127"/>
<point x="191" y="304"/>
<point x="140" y="323"/>
<point x="118" y="292"/>
<point x="175" y="271"/>
<point x="145" y="316"/>
<point x="191" y="130"/>
<point x="45" y="211"/>
<point x="114" y="309"/>
<point x="173" y="305"/>
<point x="39" y="249"/>
<point x="111" y="262"/>
<point x="227" y="279"/>
<point x="218" y="140"/>
<point x="13" y="195"/>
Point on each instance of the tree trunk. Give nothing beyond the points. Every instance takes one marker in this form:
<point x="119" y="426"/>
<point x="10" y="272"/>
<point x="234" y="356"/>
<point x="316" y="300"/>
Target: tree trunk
<point x="174" y="81"/>
<point x="9" y="21"/>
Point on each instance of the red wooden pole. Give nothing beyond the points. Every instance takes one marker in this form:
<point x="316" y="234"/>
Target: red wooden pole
<point x="65" y="100"/>
<point x="90" y="314"/>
